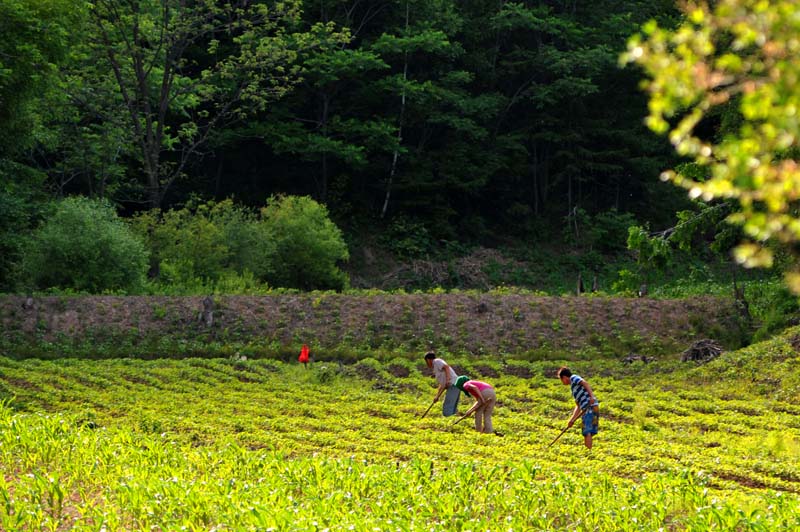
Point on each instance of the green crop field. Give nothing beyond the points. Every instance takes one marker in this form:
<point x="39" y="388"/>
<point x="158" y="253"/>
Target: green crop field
<point x="232" y="444"/>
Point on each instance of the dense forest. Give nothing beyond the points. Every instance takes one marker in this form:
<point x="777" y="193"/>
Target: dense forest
<point x="418" y="126"/>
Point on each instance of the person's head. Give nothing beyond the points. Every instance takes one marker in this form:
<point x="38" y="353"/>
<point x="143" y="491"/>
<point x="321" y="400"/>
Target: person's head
<point x="564" y="374"/>
<point x="429" y="356"/>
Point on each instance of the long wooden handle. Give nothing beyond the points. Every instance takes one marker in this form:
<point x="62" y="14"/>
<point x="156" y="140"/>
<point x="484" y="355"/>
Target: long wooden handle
<point x="559" y="435"/>
<point x="467" y="414"/>
<point x="428" y="410"/>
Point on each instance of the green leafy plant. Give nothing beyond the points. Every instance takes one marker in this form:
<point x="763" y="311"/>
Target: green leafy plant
<point x="262" y="444"/>
<point x="308" y="245"/>
<point x="84" y="246"/>
<point x="737" y="55"/>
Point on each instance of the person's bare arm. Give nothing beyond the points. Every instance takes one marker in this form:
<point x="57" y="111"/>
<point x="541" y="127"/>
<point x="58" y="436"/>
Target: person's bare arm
<point x="476" y="393"/>
<point x="439" y="392"/>
<point x="576" y="413"/>
<point x="590" y="392"/>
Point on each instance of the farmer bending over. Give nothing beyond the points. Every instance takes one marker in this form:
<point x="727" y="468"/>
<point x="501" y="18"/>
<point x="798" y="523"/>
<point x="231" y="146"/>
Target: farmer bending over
<point x="485" y="400"/>
<point x="446" y="377"/>
<point x="586" y="404"/>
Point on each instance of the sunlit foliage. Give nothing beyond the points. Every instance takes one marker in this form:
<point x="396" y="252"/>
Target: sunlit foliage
<point x="743" y="54"/>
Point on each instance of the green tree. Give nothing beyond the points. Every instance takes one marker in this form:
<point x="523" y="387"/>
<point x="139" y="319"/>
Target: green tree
<point x="88" y="145"/>
<point x="323" y="133"/>
<point x="183" y="70"/>
<point x="743" y="53"/>
<point x="308" y="244"/>
<point x="567" y="125"/>
<point x="466" y="117"/>
<point x="35" y="40"/>
<point x="23" y="204"/>
<point x="84" y="246"/>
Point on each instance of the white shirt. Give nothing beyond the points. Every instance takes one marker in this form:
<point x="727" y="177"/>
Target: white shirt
<point x="443" y="376"/>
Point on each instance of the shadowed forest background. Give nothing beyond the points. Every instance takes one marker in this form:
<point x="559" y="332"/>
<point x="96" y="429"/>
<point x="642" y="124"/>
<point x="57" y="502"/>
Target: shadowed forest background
<point x="244" y="145"/>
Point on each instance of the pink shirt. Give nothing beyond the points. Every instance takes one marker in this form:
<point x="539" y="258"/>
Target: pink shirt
<point x="481" y="386"/>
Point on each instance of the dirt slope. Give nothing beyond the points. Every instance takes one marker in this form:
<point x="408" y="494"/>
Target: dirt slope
<point x="468" y="322"/>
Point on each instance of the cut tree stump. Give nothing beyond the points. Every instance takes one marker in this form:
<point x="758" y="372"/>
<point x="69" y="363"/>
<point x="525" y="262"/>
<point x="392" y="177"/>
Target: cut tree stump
<point x="207" y="316"/>
<point x="702" y="351"/>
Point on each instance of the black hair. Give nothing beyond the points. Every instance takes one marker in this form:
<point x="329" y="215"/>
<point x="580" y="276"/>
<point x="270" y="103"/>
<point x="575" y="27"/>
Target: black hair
<point x="564" y="372"/>
<point x="430" y="355"/>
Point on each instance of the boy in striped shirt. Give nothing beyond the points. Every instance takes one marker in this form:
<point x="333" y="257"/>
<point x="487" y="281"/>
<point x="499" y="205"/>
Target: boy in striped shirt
<point x="586" y="404"/>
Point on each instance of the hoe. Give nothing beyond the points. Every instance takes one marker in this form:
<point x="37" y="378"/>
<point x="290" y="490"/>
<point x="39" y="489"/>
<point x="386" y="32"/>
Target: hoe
<point x="428" y="410"/>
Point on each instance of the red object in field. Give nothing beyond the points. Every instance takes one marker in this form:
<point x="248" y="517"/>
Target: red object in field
<point x="303" y="354"/>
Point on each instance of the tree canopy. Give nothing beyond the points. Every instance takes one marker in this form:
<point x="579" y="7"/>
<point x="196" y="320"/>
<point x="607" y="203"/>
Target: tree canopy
<point x="462" y="115"/>
<point x="439" y="123"/>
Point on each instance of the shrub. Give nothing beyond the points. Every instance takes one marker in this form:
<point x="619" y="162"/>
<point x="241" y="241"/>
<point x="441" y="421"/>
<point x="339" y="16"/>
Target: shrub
<point x="773" y="306"/>
<point x="407" y="239"/>
<point x="308" y="245"/>
<point x="207" y="243"/>
<point x="186" y="240"/>
<point x="84" y="246"/>
<point x="293" y="244"/>
<point x="248" y="238"/>
<point x="605" y="231"/>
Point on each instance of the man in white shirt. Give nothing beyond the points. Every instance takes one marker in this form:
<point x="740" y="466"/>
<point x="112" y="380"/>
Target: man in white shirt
<point x="446" y="377"/>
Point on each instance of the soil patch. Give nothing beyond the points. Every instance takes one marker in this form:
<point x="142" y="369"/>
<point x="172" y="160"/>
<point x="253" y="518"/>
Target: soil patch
<point x="396" y="370"/>
<point x="742" y="480"/>
<point x="367" y="372"/>
<point x="486" y="371"/>
<point x="518" y="371"/>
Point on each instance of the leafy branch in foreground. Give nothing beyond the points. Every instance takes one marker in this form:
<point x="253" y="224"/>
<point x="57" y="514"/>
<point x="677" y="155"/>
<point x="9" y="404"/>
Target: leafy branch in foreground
<point x="745" y="54"/>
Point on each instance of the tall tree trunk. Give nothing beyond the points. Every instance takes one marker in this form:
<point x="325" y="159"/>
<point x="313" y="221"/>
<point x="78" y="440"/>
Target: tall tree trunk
<point x="535" y="176"/>
<point x="396" y="153"/>
<point x="569" y="194"/>
<point x="323" y="185"/>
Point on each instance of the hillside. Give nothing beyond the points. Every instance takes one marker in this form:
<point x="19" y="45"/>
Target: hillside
<point x="354" y="326"/>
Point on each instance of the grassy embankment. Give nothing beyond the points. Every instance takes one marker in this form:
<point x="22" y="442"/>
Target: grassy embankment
<point x="348" y="327"/>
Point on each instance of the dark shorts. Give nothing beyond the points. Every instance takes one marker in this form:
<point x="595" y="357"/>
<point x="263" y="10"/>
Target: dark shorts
<point x="590" y="418"/>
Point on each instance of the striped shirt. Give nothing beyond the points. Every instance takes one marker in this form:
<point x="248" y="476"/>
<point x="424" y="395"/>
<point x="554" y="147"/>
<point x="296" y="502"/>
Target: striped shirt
<point x="579" y="392"/>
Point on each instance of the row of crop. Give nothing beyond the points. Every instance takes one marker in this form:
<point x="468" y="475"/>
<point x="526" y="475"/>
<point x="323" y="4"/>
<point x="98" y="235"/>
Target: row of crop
<point x="331" y="410"/>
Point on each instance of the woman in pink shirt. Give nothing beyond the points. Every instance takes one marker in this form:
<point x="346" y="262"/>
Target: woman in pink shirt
<point x="484" y="402"/>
